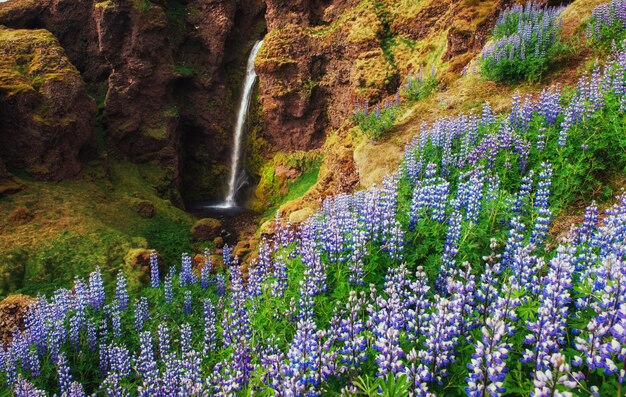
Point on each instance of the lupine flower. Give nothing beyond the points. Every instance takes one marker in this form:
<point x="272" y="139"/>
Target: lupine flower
<point x="548" y="331"/>
<point x="64" y="376"/>
<point x="96" y="289"/>
<point x="154" y="270"/>
<point x="24" y="388"/>
<point x="186" y="275"/>
<point x="206" y="270"/>
<point x="557" y="373"/>
<point x="119" y="360"/>
<point x="164" y="340"/>
<point x="209" y="327"/>
<point x="147" y="366"/>
<point x="121" y="293"/>
<point x="350" y="333"/>
<point x="187" y="309"/>
<point x="541" y="204"/>
<point x="169" y="291"/>
<point x="221" y="285"/>
<point x="142" y="313"/>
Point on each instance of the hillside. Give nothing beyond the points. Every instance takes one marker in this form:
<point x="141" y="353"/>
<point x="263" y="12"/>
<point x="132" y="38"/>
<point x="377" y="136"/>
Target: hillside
<point x="432" y="201"/>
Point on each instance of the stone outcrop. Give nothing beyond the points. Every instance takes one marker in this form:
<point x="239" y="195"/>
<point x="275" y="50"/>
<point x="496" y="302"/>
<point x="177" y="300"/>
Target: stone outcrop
<point x="321" y="56"/>
<point x="12" y="312"/>
<point x="206" y="229"/>
<point x="46" y="115"/>
<point x="160" y="71"/>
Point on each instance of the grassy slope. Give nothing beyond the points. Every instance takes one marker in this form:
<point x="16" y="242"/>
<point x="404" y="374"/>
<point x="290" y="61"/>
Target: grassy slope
<point x="78" y="225"/>
<point x="96" y="219"/>
<point x="457" y="94"/>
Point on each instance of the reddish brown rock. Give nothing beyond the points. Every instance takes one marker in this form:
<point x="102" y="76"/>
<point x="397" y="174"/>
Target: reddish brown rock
<point x="20" y="216"/>
<point x="206" y="229"/>
<point x="310" y="78"/>
<point x="163" y="67"/>
<point x="145" y="209"/>
<point x="12" y="311"/>
<point x="139" y="261"/>
<point x="46" y="115"/>
<point x="242" y="250"/>
<point x="219" y="242"/>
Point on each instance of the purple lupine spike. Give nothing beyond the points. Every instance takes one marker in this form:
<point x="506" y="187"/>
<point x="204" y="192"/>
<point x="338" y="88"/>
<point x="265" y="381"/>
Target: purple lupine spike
<point x="169" y="288"/>
<point x="119" y="360"/>
<point x="92" y="336"/>
<point x="281" y="277"/>
<point x="64" y="376"/>
<point x="186" y="275"/>
<point x="147" y="366"/>
<point x="221" y="285"/>
<point x="163" y="335"/>
<point x="113" y="386"/>
<point x="226" y="256"/>
<point x="142" y="313"/>
<point x="205" y="274"/>
<point x="121" y="292"/>
<point x="548" y="331"/>
<point x="441" y="337"/>
<point x="350" y="334"/>
<point x="187" y="303"/>
<point x="302" y="355"/>
<point x="387" y="318"/>
<point x="541" y="204"/>
<point x="116" y="320"/>
<point x="96" y="289"/>
<point x="557" y="373"/>
<point x="418" y="303"/>
<point x="209" y="327"/>
<point x="24" y="388"/>
<point x="155" y="282"/>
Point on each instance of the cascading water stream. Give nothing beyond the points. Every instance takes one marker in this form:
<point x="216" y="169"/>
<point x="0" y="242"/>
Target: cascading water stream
<point x="235" y="160"/>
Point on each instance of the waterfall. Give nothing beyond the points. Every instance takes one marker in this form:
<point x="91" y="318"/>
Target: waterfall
<point x="235" y="161"/>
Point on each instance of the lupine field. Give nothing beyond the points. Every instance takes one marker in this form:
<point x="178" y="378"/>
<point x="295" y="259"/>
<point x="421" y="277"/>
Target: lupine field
<point x="450" y="279"/>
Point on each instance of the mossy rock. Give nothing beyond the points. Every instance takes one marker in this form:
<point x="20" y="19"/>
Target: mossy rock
<point x="301" y="215"/>
<point x="20" y="216"/>
<point x="206" y="229"/>
<point x="145" y="209"/>
<point x="219" y="242"/>
<point x="12" y="311"/>
<point x="137" y="262"/>
<point x="31" y="58"/>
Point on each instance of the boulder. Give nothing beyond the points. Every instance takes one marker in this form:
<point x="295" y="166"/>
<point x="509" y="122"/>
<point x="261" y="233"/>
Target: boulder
<point x="20" y="216"/>
<point x="12" y="311"/>
<point x="219" y="242"/>
<point x="145" y="209"/>
<point x="300" y="215"/>
<point x="138" y="259"/>
<point x="206" y="229"/>
<point x="46" y="116"/>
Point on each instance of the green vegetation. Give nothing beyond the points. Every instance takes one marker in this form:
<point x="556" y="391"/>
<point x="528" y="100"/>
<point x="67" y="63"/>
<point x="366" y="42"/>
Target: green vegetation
<point x="143" y="6"/>
<point x="185" y="70"/>
<point x="78" y="225"/>
<point x="526" y="41"/>
<point x="377" y="123"/>
<point x="607" y="26"/>
<point x="420" y="88"/>
<point x="30" y="58"/>
<point x="308" y="87"/>
<point x="285" y="178"/>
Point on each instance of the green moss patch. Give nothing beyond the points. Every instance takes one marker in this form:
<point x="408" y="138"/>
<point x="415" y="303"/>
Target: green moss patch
<point x="78" y="225"/>
<point x="30" y="58"/>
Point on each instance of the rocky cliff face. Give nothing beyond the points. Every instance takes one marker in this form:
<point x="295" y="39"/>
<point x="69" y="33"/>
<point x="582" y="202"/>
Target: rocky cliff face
<point x="45" y="113"/>
<point x="158" y="70"/>
<point x="321" y="56"/>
